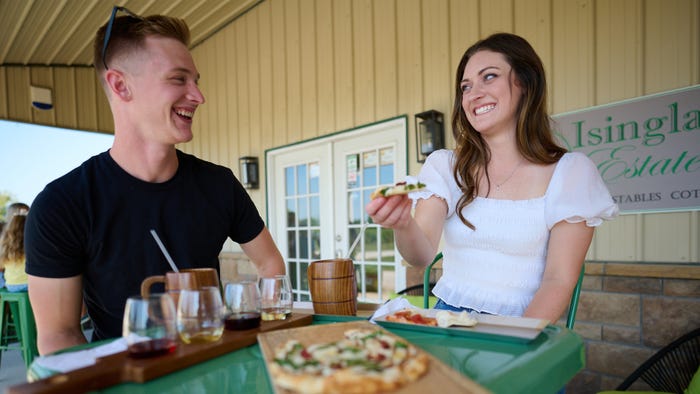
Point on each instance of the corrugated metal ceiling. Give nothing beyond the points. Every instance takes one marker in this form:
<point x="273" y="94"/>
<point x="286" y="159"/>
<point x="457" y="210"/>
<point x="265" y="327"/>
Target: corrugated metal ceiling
<point x="60" y="32"/>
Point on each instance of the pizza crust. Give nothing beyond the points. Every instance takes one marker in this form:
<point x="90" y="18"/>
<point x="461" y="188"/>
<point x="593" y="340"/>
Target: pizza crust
<point x="397" y="189"/>
<point x="402" y="364"/>
<point x="346" y="381"/>
<point x="448" y="318"/>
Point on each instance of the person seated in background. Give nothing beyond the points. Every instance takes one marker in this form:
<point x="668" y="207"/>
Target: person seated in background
<point x="88" y="232"/>
<point x="12" y="253"/>
<point x="12" y="210"/>
<point x="517" y="211"/>
<point x="2" y="270"/>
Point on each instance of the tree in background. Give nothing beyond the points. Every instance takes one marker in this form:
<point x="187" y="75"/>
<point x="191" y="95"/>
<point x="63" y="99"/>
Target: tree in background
<point x="5" y="199"/>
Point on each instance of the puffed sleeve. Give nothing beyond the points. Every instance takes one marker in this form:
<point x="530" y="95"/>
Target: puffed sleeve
<point x="437" y="176"/>
<point x="577" y="192"/>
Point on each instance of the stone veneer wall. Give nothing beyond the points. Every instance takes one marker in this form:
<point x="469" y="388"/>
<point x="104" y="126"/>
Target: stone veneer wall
<point x="235" y="266"/>
<point x="627" y="312"/>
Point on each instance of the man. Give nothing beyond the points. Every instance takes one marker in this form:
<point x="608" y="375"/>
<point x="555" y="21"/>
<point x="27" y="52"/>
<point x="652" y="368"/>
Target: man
<point x="88" y="233"/>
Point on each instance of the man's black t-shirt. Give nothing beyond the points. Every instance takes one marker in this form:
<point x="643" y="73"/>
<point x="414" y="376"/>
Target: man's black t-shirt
<point x="95" y="221"/>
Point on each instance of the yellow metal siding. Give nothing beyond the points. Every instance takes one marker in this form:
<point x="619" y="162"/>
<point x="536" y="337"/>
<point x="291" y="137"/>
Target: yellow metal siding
<point x="385" y="49"/>
<point x="670" y="44"/>
<point x="290" y="70"/>
<point x="3" y="93"/>
<point x="343" y="62"/>
<point x="64" y="95"/>
<point x="410" y="69"/>
<point x="19" y="107"/>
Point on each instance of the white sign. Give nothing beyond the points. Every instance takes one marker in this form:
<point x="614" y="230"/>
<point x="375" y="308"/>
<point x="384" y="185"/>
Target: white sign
<point x="647" y="149"/>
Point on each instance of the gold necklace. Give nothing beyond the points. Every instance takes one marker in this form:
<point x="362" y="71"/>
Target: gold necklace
<point x="498" y="185"/>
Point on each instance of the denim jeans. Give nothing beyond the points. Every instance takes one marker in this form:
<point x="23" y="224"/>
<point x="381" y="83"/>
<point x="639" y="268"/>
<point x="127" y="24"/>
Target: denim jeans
<point x="16" y="288"/>
<point x="447" y="307"/>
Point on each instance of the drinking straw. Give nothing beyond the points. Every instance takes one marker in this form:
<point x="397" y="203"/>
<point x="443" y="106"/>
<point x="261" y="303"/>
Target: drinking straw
<point x="357" y="239"/>
<point x="165" y="251"/>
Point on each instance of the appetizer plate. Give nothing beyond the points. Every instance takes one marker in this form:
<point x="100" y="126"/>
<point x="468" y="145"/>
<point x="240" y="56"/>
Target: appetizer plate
<point x="507" y="328"/>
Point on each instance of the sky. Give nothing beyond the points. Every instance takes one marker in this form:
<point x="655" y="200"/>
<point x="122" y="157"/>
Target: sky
<point x="32" y="156"/>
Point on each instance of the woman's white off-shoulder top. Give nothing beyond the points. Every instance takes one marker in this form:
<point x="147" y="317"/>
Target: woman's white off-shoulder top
<point x="498" y="268"/>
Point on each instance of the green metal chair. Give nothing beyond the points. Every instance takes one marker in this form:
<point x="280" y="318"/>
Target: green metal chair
<point x="573" y="305"/>
<point x="24" y="325"/>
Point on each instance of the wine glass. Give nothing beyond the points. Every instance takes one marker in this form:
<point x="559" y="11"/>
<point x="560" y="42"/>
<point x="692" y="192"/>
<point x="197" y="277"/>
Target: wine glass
<point x="200" y="315"/>
<point x="149" y="325"/>
<point x="242" y="301"/>
<point x="276" y="297"/>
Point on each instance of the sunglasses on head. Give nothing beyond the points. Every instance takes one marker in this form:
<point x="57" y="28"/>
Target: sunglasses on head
<point x="108" y="32"/>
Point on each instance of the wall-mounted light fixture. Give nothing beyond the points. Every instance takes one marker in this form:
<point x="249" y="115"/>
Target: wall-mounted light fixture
<point x="249" y="171"/>
<point x="430" y="133"/>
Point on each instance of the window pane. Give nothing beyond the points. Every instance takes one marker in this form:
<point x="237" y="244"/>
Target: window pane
<point x="314" y="174"/>
<point x="354" y="208"/>
<point x="388" y="276"/>
<point x="371" y="244"/>
<point x="315" y="244"/>
<point x="291" y="213"/>
<point x="352" y="234"/>
<point x="352" y="170"/>
<point x="301" y="179"/>
<point x="293" y="274"/>
<point x="315" y="211"/>
<point x="303" y="276"/>
<point x="303" y="211"/>
<point x="303" y="244"/>
<point x="289" y="181"/>
<point x="371" y="280"/>
<point x="386" y="166"/>
<point x="291" y="245"/>
<point x="369" y="168"/>
<point x="386" y="174"/>
<point x="387" y="238"/>
<point x="365" y="200"/>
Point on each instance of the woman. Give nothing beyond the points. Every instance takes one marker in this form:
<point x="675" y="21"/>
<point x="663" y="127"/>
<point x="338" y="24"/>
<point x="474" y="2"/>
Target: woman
<point x="516" y="209"/>
<point x="12" y="253"/>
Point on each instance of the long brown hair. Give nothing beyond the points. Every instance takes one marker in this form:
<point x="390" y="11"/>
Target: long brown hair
<point x="534" y="136"/>
<point x="12" y="240"/>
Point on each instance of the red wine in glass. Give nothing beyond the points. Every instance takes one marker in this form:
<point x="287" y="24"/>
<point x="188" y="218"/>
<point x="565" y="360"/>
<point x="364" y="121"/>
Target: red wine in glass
<point x="242" y="321"/>
<point x="152" y="348"/>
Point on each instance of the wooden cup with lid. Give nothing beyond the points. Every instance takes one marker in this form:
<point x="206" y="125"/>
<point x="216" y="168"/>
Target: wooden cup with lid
<point x="333" y="287"/>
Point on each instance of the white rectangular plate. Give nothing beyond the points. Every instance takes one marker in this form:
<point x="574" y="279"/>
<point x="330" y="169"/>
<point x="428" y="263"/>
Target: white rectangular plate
<point x="514" y="329"/>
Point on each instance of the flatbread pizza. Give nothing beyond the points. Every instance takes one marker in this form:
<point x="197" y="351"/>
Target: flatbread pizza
<point x="397" y="189"/>
<point x="364" y="361"/>
<point x="442" y="318"/>
<point x="409" y="316"/>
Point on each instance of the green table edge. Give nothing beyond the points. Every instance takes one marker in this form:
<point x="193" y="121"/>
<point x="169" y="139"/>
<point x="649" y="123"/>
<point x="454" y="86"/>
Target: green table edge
<point x="568" y="363"/>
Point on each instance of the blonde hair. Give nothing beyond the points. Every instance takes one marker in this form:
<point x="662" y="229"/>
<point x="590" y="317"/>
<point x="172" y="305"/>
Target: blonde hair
<point x="12" y="240"/>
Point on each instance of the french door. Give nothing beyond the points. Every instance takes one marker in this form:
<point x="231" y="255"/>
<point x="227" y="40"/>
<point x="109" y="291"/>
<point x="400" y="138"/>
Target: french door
<point x="317" y="191"/>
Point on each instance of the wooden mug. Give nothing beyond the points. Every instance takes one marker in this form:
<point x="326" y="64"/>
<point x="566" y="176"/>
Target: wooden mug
<point x="333" y="286"/>
<point x="191" y="278"/>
